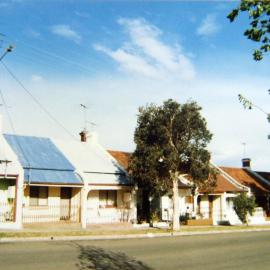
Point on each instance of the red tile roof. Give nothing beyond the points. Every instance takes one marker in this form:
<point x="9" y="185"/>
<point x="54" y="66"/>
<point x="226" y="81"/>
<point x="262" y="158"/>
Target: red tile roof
<point x="245" y="178"/>
<point x="121" y="157"/>
<point x="222" y="184"/>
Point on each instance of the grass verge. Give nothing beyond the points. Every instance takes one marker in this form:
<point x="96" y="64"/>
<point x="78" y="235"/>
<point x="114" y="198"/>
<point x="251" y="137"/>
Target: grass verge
<point x="184" y="229"/>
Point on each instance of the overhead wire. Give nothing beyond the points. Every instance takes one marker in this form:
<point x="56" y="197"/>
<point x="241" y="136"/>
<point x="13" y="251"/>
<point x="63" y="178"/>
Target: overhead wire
<point x="13" y="127"/>
<point x="43" y="53"/>
<point x="50" y="115"/>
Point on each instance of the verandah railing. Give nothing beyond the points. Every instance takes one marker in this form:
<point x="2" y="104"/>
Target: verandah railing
<point x="51" y="213"/>
<point x="108" y="215"/>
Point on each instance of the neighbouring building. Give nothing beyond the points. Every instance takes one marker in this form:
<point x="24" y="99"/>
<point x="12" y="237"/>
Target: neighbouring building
<point x="108" y="195"/>
<point x="52" y="188"/>
<point x="11" y="188"/>
<point x="214" y="205"/>
<point x="58" y="181"/>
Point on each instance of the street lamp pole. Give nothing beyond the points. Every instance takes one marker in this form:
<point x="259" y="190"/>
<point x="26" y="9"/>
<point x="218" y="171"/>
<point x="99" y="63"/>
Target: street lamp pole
<point x="8" y="50"/>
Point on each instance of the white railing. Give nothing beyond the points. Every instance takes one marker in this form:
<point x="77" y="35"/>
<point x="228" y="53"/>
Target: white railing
<point x="51" y="213"/>
<point x="108" y="215"/>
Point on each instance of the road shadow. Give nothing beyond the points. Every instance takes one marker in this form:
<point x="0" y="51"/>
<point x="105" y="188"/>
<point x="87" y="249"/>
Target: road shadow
<point x="95" y="258"/>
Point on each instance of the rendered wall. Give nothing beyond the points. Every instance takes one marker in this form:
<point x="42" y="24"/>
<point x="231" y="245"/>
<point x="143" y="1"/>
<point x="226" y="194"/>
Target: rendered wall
<point x="122" y="212"/>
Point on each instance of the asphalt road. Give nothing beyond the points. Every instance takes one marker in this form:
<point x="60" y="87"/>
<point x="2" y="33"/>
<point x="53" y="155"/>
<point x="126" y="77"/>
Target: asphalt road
<point x="223" y="251"/>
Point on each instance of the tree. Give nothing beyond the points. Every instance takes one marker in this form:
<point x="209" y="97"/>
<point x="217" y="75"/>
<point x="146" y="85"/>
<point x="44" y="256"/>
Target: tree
<point x="244" y="205"/>
<point x="259" y="30"/>
<point x="171" y="142"/>
<point x="247" y="104"/>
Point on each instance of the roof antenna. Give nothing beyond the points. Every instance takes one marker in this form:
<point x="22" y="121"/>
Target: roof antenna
<point x="84" y="108"/>
<point x="244" y="149"/>
<point x="84" y="132"/>
<point x="93" y="125"/>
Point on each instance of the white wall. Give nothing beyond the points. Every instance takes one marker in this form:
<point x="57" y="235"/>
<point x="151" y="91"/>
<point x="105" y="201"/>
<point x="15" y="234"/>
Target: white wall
<point x="166" y="204"/>
<point x="124" y="211"/>
<point x="52" y="211"/>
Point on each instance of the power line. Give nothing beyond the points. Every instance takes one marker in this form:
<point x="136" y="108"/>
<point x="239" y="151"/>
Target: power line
<point x="8" y="50"/>
<point x="37" y="101"/>
<point x="13" y="128"/>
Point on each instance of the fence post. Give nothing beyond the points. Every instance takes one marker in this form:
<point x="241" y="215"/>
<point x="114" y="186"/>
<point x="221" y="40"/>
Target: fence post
<point x="84" y="194"/>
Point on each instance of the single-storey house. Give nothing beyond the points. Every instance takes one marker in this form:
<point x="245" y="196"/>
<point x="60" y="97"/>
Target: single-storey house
<point x="68" y="181"/>
<point x="214" y="205"/>
<point x="11" y="187"/>
<point x="108" y="194"/>
<point x="51" y="188"/>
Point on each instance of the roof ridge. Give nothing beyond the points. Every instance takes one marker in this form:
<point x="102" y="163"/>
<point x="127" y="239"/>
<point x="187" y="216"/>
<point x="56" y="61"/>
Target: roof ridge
<point x="258" y="176"/>
<point x="231" y="179"/>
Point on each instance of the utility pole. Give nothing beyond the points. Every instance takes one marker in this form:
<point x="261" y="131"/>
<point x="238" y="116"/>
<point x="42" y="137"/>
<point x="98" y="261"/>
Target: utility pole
<point x="8" y="50"/>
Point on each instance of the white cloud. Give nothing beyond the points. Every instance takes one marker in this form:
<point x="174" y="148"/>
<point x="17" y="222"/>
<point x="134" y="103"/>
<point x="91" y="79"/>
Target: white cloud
<point x="209" y="26"/>
<point x="146" y="54"/>
<point x="37" y="78"/>
<point x="66" y="31"/>
<point x="32" y="33"/>
<point x="82" y="14"/>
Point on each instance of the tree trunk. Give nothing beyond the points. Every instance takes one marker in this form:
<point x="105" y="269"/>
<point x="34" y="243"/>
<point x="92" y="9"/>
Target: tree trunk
<point x="176" y="224"/>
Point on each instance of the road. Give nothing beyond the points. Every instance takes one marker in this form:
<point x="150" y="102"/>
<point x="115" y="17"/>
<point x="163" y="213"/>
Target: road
<point x="222" y="251"/>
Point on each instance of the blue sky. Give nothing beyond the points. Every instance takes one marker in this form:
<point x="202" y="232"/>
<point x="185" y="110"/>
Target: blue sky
<point x="115" y="56"/>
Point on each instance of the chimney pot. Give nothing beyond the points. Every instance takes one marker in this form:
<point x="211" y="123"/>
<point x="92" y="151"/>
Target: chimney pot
<point x="83" y="135"/>
<point x="246" y="162"/>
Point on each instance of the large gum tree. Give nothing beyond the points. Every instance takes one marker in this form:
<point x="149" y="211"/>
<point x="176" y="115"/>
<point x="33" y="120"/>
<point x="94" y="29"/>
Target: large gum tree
<point x="171" y="142"/>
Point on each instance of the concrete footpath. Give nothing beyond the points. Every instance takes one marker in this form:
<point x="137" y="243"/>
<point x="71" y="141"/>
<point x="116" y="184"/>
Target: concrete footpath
<point x="16" y="237"/>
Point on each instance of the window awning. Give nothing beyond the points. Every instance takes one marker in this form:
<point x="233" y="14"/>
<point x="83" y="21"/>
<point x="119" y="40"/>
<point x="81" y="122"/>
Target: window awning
<point x="41" y="176"/>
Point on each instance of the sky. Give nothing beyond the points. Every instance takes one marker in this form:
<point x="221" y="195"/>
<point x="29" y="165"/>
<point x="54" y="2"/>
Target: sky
<point x="115" y="56"/>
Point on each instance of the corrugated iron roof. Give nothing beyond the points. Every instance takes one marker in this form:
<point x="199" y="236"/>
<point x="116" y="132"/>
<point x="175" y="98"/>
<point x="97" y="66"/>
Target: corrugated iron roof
<point x="42" y="160"/>
<point x="10" y="164"/>
<point x="93" y="162"/>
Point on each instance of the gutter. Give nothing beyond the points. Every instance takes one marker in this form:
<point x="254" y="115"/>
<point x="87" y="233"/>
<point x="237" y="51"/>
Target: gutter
<point x="258" y="176"/>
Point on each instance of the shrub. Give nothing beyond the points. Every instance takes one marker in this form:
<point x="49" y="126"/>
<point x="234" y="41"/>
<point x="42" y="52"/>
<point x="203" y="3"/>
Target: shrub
<point x="244" y="205"/>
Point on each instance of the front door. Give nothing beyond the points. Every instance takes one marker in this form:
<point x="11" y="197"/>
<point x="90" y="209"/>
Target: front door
<point x="65" y="203"/>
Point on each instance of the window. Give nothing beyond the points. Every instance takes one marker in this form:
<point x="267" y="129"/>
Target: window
<point x="38" y="196"/>
<point x="107" y="198"/>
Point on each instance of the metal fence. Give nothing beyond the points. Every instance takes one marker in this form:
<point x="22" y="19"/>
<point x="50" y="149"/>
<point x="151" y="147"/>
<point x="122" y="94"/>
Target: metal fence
<point x="7" y="212"/>
<point x="108" y="215"/>
<point x="51" y="214"/>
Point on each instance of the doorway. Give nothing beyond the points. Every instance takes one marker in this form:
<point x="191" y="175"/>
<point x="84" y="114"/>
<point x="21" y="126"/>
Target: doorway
<point x="65" y="203"/>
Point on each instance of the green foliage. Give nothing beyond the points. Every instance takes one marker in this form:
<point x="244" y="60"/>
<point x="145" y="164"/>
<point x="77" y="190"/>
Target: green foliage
<point x="247" y="104"/>
<point x="170" y="140"/>
<point x="155" y="216"/>
<point x="244" y="205"/>
<point x="259" y="30"/>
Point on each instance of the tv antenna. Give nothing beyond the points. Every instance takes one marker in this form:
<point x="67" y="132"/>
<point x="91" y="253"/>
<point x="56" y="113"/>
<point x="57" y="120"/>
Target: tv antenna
<point x="84" y="108"/>
<point x="244" y="149"/>
<point x="92" y="124"/>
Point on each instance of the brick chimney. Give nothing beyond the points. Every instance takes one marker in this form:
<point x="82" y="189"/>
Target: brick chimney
<point x="83" y="135"/>
<point x="246" y="162"/>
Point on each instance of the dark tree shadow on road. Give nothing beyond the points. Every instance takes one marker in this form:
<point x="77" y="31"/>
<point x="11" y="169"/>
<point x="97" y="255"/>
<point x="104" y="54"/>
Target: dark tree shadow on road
<point x="99" y="259"/>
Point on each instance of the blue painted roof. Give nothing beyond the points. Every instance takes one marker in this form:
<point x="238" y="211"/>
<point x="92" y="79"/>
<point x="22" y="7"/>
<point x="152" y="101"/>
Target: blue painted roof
<point x="42" y="160"/>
